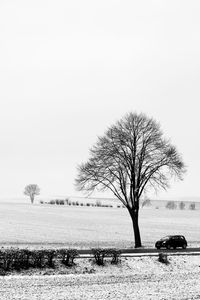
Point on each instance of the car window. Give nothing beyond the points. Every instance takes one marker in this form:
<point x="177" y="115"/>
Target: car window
<point x="166" y="237"/>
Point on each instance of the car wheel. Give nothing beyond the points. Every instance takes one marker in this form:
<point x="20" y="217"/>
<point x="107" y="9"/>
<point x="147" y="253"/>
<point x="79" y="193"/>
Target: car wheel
<point x="184" y="246"/>
<point x="168" y="247"/>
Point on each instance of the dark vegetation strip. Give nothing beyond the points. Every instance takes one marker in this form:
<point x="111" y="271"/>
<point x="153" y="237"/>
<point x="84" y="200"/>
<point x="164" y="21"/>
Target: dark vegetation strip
<point x="15" y="259"/>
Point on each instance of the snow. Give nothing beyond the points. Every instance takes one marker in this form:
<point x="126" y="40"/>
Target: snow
<point x="134" y="278"/>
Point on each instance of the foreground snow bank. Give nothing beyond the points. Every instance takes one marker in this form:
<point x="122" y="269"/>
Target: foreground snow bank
<point x="135" y="278"/>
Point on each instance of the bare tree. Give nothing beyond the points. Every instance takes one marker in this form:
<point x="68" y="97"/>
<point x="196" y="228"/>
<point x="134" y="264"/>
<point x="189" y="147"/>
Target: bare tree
<point x="130" y="157"/>
<point x="32" y="190"/>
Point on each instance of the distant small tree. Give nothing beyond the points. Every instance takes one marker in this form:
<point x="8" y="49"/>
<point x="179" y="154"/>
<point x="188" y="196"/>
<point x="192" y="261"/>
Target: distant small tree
<point x="98" y="203"/>
<point x="182" y="205"/>
<point x="192" y="206"/>
<point x="146" y="202"/>
<point x="32" y="190"/>
<point x="171" y="205"/>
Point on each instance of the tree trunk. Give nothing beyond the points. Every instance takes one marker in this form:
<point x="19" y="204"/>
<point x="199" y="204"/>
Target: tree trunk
<point x="32" y="199"/>
<point x="134" y="217"/>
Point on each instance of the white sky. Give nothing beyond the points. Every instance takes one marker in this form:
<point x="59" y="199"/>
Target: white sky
<point x="69" y="69"/>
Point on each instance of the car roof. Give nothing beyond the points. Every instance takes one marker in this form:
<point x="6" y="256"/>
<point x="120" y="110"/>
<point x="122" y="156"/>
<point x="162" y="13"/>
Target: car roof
<point x="175" y="236"/>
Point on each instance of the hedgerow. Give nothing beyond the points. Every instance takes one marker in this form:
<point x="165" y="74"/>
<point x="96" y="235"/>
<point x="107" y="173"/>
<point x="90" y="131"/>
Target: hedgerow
<point x="15" y="259"/>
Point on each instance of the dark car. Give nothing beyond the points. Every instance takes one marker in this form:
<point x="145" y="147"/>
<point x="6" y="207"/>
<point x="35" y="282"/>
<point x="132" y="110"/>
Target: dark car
<point x="172" y="241"/>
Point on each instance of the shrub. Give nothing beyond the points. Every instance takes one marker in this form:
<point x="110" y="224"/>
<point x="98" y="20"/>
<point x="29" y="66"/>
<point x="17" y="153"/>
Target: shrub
<point x="182" y="205"/>
<point x="26" y="254"/>
<point x="41" y="202"/>
<point x="7" y="257"/>
<point x="171" y="205"/>
<point x="21" y="259"/>
<point x="52" y="202"/>
<point x="192" y="206"/>
<point x="162" y="257"/>
<point x="146" y="202"/>
<point x="98" y="203"/>
<point x="115" y="254"/>
<point x="66" y="200"/>
<point x="87" y="204"/>
<point x="38" y="258"/>
<point x="14" y="259"/>
<point x="67" y="256"/>
<point x="50" y="255"/>
<point x="77" y="203"/>
<point x="99" y="255"/>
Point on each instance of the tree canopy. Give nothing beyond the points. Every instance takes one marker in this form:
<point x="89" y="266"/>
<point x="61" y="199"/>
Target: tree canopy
<point x="32" y="190"/>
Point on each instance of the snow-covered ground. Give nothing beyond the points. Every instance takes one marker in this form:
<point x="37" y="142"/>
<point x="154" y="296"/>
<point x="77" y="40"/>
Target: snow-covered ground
<point x="86" y="227"/>
<point x="134" y="278"/>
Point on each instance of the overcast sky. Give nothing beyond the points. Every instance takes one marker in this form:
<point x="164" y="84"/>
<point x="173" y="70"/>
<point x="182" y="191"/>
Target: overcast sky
<point x="69" y="69"/>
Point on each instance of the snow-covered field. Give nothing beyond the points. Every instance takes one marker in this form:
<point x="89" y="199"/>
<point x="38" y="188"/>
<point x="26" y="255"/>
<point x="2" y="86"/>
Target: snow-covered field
<point x="135" y="278"/>
<point x="142" y="278"/>
<point x="86" y="227"/>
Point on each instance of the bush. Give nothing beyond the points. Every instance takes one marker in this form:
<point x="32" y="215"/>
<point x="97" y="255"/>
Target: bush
<point x="37" y="259"/>
<point x="14" y="259"/>
<point x="41" y="202"/>
<point x="171" y="205"/>
<point x="146" y="202"/>
<point x="87" y="204"/>
<point x="115" y="254"/>
<point x="192" y="206"/>
<point x="52" y="202"/>
<point x="162" y="257"/>
<point x="98" y="203"/>
<point x="182" y="205"/>
<point x="99" y="255"/>
<point x="67" y="256"/>
<point x="7" y="257"/>
<point x="21" y="259"/>
<point x="50" y="255"/>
